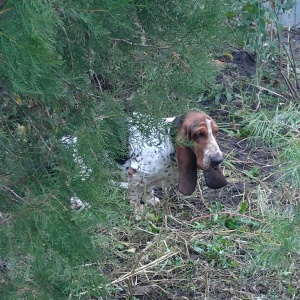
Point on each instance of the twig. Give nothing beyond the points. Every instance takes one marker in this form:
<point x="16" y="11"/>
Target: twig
<point x="287" y="81"/>
<point x="138" y="259"/>
<point x="139" y="270"/>
<point x="293" y="61"/>
<point x="267" y="90"/>
<point x="79" y="89"/>
<point x="226" y="213"/>
<point x="92" y="10"/>
<point x="141" y="45"/>
<point x="13" y="192"/>
<point x="206" y="280"/>
<point x="295" y="26"/>
<point x="38" y="132"/>
<point x="88" y="265"/>
<point x="186" y="67"/>
<point x="4" y="10"/>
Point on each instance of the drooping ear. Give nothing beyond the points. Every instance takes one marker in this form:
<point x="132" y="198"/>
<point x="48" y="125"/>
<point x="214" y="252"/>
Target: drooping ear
<point x="215" y="178"/>
<point x="175" y="128"/>
<point x="186" y="159"/>
<point x="187" y="170"/>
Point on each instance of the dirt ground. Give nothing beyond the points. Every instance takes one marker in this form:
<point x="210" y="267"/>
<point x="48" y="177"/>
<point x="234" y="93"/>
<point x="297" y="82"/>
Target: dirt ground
<point x="201" y="247"/>
<point x="204" y="241"/>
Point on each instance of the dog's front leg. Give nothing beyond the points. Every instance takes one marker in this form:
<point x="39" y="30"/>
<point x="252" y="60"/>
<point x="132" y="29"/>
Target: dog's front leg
<point x="139" y="192"/>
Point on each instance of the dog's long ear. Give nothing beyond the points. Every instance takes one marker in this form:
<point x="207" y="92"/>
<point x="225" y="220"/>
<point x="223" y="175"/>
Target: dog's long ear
<point x="186" y="159"/>
<point x="175" y="128"/>
<point x="187" y="170"/>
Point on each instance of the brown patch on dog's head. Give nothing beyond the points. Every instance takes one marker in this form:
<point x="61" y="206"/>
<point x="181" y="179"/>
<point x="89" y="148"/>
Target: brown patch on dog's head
<point x="196" y="147"/>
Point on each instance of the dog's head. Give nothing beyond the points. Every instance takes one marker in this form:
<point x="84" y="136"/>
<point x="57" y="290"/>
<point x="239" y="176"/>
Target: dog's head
<point x="197" y="148"/>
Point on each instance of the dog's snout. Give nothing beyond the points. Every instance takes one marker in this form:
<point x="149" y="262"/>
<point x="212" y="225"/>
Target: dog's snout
<point x="216" y="160"/>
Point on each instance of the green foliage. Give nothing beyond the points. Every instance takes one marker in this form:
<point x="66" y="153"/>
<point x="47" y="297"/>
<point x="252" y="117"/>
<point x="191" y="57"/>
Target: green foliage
<point x="27" y="45"/>
<point x="280" y="129"/>
<point x="279" y="244"/>
<point x="178" y="64"/>
<point x="249" y="20"/>
<point x="79" y="68"/>
<point x="216" y="251"/>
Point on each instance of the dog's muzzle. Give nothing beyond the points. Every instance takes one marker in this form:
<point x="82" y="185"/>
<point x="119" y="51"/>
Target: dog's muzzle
<point x="216" y="160"/>
<point x="215" y="178"/>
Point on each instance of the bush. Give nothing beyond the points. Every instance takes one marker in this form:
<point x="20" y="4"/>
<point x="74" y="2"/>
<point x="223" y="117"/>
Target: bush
<point x="79" y="68"/>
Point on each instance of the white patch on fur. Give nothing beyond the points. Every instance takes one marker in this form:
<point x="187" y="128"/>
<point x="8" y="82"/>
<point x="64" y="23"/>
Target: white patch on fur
<point x="77" y="203"/>
<point x="212" y="147"/>
<point x="169" y="120"/>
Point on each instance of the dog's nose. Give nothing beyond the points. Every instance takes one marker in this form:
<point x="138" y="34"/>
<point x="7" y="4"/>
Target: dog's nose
<point x="216" y="160"/>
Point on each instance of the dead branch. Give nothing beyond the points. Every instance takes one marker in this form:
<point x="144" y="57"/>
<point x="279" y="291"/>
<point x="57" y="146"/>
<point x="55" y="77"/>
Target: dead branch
<point x="140" y="45"/>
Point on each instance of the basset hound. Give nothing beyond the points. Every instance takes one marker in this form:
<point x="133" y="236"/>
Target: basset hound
<point x="172" y="156"/>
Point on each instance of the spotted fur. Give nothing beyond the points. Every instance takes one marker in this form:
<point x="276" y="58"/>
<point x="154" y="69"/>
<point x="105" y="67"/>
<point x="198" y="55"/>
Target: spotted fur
<point x="172" y="158"/>
<point x="166" y="156"/>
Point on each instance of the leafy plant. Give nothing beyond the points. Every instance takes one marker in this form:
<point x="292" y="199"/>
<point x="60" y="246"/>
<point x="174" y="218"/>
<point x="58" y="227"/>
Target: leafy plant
<point x="216" y="251"/>
<point x="80" y="68"/>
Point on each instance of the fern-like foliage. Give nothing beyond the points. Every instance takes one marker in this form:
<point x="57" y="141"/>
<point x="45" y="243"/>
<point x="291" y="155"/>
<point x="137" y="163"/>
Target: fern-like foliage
<point x="80" y="68"/>
<point x="279" y="245"/>
<point x="281" y="130"/>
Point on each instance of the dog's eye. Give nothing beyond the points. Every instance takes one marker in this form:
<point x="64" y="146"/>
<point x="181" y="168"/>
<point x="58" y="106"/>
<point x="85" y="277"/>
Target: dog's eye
<point x="199" y="135"/>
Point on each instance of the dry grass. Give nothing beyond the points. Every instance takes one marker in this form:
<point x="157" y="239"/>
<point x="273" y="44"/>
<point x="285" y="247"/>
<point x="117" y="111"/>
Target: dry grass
<point x="205" y="247"/>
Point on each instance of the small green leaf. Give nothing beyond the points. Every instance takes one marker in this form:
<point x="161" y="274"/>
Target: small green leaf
<point x="243" y="207"/>
<point x="215" y="218"/>
<point x="154" y="229"/>
<point x="244" y="132"/>
<point x="197" y="225"/>
<point x="232" y="224"/>
<point x="234" y="264"/>
<point x="254" y="171"/>
<point x="198" y="249"/>
<point x="229" y="97"/>
<point x="120" y="246"/>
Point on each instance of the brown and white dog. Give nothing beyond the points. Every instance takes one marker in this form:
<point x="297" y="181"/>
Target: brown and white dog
<point x="161" y="159"/>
